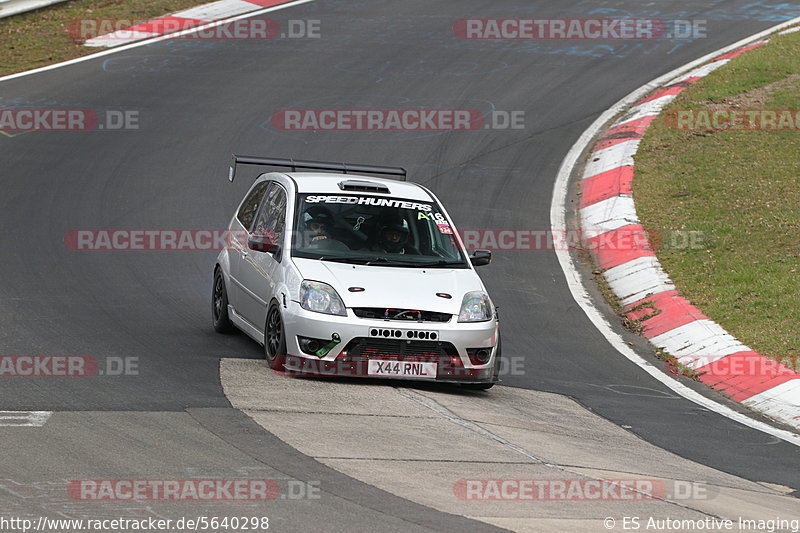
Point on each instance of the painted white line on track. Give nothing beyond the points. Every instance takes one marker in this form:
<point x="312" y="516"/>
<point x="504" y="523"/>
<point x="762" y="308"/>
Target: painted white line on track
<point x="24" y="418"/>
<point x="194" y="29"/>
<point x="558" y="210"/>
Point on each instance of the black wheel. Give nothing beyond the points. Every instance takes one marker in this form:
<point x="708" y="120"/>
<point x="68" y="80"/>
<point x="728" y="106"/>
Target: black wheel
<point x="275" y="338"/>
<point x="219" y="305"/>
<point x="497" y="363"/>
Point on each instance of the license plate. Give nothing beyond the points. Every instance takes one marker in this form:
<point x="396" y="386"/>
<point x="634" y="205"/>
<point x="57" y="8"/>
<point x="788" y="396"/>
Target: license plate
<point x="402" y="369"/>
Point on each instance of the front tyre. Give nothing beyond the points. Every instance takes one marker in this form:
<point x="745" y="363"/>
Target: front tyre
<point x="275" y="338"/>
<point x="219" y="305"/>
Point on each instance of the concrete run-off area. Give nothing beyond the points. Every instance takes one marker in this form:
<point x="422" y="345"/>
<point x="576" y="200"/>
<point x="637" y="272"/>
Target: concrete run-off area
<point x="474" y="454"/>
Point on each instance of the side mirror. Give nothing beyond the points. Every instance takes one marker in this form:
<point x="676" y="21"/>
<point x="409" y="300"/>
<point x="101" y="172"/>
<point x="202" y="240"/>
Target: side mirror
<point x="262" y="242"/>
<point x="480" y="257"/>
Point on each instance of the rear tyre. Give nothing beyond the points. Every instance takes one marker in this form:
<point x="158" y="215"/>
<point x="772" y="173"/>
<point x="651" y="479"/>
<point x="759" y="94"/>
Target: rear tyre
<point x="219" y="305"/>
<point x="495" y="377"/>
<point x="275" y="338"/>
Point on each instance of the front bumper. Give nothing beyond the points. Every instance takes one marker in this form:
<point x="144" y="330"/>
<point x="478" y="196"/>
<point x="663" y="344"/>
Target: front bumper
<point x="363" y="340"/>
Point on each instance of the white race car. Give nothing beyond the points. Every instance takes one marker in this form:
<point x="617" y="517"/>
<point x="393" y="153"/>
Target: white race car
<point x="345" y="275"/>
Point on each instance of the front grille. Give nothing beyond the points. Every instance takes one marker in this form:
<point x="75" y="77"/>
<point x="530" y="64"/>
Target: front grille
<point x="408" y="315"/>
<point x="412" y="351"/>
<point x="355" y="359"/>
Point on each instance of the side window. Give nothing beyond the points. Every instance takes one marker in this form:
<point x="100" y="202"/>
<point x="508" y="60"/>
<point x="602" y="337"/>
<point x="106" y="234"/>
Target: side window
<point x="248" y="210"/>
<point x="272" y="216"/>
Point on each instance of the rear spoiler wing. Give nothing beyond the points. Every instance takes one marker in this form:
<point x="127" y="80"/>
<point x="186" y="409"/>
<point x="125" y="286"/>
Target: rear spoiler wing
<point x="294" y="164"/>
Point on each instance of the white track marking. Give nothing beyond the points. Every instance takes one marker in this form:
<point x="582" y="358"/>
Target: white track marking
<point x="608" y="215"/>
<point x="211" y="12"/>
<point x="699" y="343"/>
<point x="154" y="40"/>
<point x="216" y="10"/>
<point x="648" y="109"/>
<point x="558" y="209"/>
<point x="24" y="418"/>
<point x="638" y="279"/>
<point x="115" y="39"/>
<point x="619" y="155"/>
<point x="703" y="71"/>
<point x="782" y="401"/>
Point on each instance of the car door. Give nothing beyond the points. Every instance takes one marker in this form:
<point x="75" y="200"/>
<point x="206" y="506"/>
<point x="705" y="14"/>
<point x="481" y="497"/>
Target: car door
<point x="260" y="272"/>
<point x="240" y="228"/>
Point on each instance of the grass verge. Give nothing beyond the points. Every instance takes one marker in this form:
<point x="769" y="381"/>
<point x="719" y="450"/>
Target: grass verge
<point x="741" y="191"/>
<point x="41" y="37"/>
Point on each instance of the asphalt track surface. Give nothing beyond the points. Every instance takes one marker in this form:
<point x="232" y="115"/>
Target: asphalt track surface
<point x="199" y="101"/>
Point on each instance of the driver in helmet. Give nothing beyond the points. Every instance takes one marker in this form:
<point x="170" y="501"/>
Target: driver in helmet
<point x="393" y="237"/>
<point x="319" y="222"/>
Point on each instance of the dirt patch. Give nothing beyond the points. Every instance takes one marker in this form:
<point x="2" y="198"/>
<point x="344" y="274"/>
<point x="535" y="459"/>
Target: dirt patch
<point x="757" y="98"/>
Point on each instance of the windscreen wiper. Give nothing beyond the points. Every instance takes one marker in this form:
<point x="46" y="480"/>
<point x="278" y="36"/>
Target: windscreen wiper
<point x="344" y="259"/>
<point x="390" y="262"/>
<point x="420" y="264"/>
<point x="442" y="263"/>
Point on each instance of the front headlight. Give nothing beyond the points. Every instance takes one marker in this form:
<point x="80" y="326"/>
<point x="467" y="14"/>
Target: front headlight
<point x="475" y="307"/>
<point x="321" y="298"/>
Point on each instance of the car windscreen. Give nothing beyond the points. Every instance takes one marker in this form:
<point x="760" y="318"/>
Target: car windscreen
<point x="363" y="229"/>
